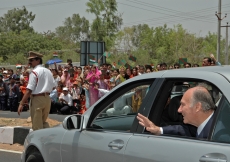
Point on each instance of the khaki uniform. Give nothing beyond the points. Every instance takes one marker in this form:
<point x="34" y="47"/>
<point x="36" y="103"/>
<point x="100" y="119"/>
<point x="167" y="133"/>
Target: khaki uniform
<point x="41" y="83"/>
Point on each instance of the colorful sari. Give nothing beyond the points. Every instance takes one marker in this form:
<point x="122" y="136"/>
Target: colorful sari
<point x="93" y="93"/>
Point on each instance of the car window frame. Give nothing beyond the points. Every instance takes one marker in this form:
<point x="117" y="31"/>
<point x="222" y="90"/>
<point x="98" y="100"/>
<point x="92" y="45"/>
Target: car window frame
<point x="116" y="94"/>
<point x="215" y="120"/>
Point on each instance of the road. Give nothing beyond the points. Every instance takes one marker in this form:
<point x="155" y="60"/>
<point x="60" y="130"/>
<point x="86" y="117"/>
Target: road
<point x="9" y="156"/>
<point x="25" y="115"/>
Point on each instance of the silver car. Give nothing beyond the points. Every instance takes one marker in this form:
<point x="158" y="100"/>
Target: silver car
<point x="109" y="130"/>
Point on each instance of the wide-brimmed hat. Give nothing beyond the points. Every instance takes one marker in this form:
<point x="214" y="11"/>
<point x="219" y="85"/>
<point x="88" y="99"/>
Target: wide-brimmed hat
<point x="32" y="54"/>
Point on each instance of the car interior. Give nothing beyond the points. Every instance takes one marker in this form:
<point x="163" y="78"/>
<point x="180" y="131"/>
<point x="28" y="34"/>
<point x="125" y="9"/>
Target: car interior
<point x="170" y="100"/>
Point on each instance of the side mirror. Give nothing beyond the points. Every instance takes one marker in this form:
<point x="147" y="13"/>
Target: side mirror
<point x="72" y="122"/>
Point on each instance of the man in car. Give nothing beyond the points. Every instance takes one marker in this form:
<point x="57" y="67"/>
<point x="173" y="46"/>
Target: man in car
<point x="197" y="108"/>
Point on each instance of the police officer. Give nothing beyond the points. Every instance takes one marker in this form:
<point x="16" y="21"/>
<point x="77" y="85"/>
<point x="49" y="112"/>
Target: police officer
<point x="40" y="85"/>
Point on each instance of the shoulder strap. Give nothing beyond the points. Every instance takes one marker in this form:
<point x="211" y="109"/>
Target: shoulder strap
<point x="36" y="76"/>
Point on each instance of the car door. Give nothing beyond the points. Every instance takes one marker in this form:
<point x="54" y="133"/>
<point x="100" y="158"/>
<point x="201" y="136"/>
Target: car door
<point x="147" y="147"/>
<point x="107" y="135"/>
<point x="174" y="149"/>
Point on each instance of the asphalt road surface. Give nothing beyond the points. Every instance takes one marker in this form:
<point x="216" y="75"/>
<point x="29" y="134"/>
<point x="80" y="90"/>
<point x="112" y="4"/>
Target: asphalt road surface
<point x="9" y="157"/>
<point x="25" y="115"/>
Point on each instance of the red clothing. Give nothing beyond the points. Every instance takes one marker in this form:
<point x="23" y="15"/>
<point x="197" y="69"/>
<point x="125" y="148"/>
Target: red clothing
<point x="83" y="108"/>
<point x="75" y="75"/>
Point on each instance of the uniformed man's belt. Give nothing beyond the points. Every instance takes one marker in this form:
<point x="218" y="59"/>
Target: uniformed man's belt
<point x="41" y="94"/>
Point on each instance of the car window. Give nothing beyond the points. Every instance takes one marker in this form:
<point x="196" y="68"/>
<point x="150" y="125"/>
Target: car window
<point x="222" y="127"/>
<point x="119" y="115"/>
<point x="164" y="111"/>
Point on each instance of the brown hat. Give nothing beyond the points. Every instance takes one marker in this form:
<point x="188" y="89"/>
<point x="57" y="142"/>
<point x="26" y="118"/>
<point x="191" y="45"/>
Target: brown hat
<point x="34" y="55"/>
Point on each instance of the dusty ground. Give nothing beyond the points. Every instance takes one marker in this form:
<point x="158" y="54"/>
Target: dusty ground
<point x="19" y="122"/>
<point x="14" y="147"/>
<point x="23" y="122"/>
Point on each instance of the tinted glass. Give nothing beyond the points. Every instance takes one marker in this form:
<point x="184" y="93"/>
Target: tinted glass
<point x="222" y="128"/>
<point x="120" y="114"/>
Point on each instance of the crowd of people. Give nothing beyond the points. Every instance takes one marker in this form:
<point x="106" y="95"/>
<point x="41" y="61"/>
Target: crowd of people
<point x="76" y="88"/>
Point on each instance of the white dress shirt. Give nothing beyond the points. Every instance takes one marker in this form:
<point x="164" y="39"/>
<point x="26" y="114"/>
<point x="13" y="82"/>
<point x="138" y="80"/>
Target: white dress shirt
<point x="201" y="127"/>
<point x="41" y="80"/>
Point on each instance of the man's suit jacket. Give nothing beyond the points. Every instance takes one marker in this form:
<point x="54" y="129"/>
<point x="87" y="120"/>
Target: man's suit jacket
<point x="188" y="130"/>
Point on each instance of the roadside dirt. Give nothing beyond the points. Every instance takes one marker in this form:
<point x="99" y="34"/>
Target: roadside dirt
<point x="23" y="122"/>
<point x="14" y="147"/>
<point x="20" y="122"/>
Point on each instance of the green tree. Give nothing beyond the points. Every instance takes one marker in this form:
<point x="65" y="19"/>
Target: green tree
<point x="107" y="22"/>
<point x="17" y="20"/>
<point x="13" y="44"/>
<point x="75" y="29"/>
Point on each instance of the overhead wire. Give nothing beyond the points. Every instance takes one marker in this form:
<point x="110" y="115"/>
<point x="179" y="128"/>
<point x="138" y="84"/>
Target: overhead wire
<point x="41" y="4"/>
<point x="175" y="11"/>
<point x="197" y="18"/>
<point x="158" y="12"/>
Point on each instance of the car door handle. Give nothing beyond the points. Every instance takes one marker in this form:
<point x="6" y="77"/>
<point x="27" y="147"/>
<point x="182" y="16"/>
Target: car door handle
<point x="213" y="157"/>
<point x="116" y="144"/>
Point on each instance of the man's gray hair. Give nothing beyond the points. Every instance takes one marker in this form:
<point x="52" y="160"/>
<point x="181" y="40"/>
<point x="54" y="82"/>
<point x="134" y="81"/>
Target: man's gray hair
<point x="202" y="95"/>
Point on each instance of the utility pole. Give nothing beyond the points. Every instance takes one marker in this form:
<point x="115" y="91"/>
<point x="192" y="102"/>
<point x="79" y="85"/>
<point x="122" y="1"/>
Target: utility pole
<point x="218" y="30"/>
<point x="226" y="44"/>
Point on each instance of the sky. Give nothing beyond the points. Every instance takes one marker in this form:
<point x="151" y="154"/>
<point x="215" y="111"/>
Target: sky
<point x="196" y="16"/>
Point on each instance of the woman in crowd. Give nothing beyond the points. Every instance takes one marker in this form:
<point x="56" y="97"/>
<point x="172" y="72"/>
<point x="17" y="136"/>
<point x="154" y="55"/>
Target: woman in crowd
<point x="129" y="73"/>
<point x="85" y="74"/>
<point x="92" y="78"/>
<point x="121" y="77"/>
<point x="102" y="84"/>
<point x="80" y="77"/>
<point x="65" y="77"/>
<point x="148" y="70"/>
<point x="57" y="78"/>
<point x="135" y="71"/>
<point x="70" y="82"/>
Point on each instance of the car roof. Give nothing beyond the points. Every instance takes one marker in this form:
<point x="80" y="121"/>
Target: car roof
<point x="223" y="70"/>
